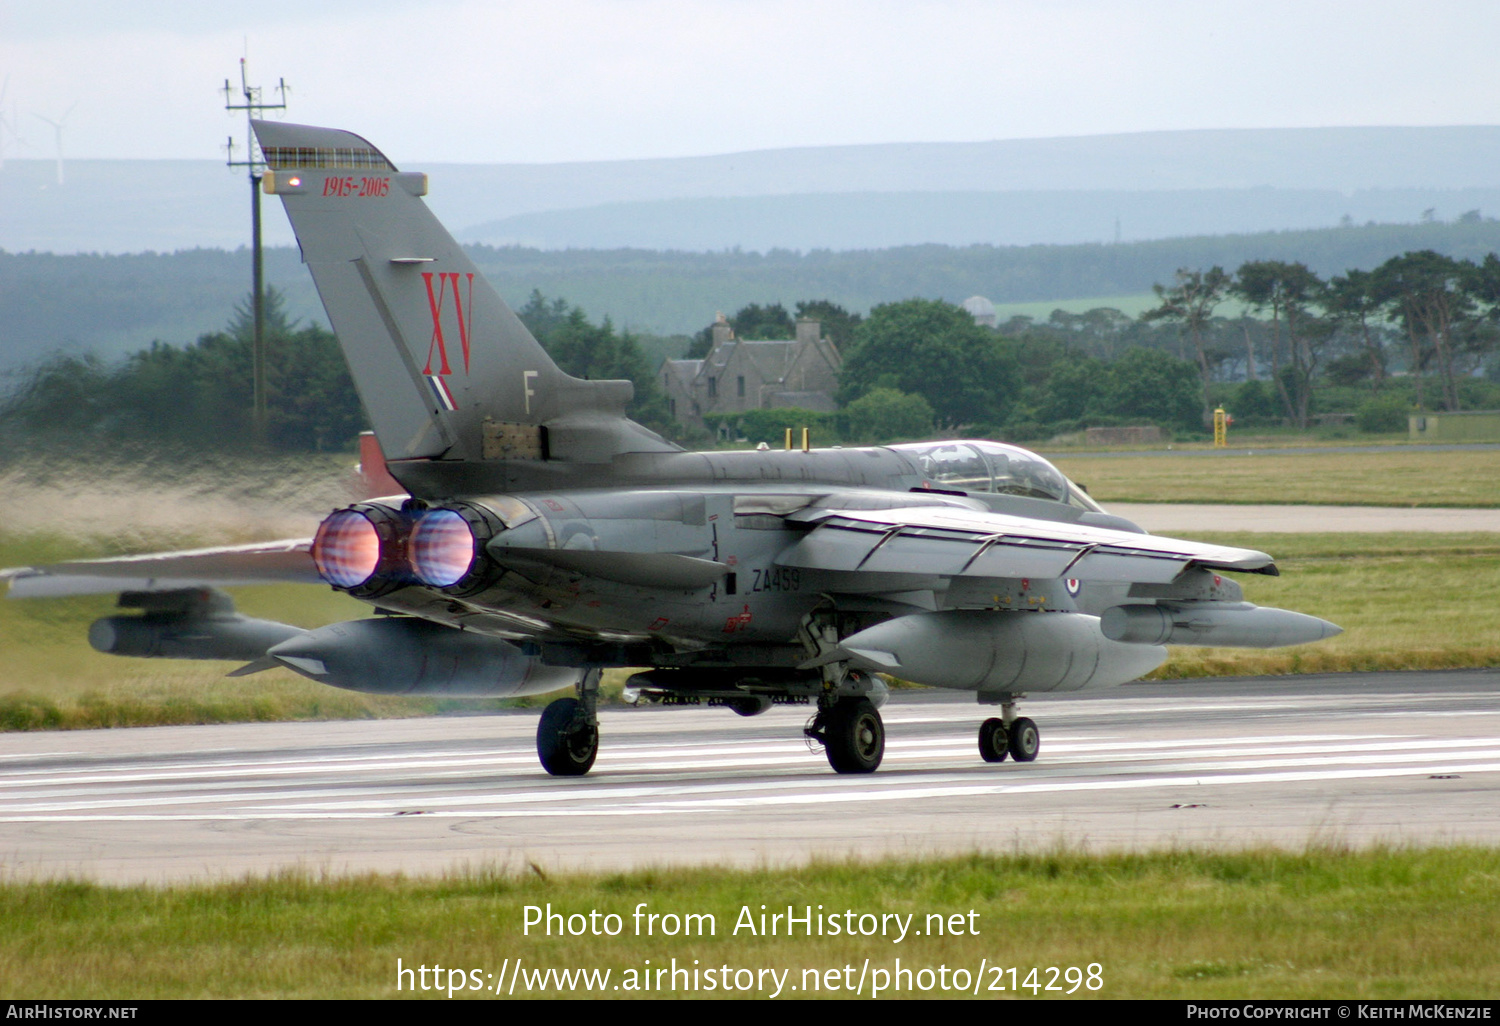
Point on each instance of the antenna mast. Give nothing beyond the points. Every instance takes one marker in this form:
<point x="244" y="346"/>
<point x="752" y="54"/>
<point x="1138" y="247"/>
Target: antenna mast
<point x="254" y="163"/>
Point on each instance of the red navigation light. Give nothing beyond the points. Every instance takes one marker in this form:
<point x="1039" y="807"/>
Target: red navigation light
<point x="346" y="550"/>
<point x="442" y="548"/>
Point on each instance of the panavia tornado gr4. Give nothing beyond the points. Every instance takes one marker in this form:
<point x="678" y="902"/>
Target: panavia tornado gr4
<point x="544" y="536"/>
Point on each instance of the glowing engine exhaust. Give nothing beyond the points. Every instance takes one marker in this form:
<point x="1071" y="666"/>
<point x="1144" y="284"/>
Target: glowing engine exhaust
<point x="447" y="547"/>
<point x="362" y="549"/>
<point x="369" y="549"/>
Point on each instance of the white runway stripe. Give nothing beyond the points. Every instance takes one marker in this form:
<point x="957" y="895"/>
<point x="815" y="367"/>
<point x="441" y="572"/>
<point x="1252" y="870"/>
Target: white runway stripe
<point x="689" y="756"/>
<point x="826" y="797"/>
<point x="436" y="783"/>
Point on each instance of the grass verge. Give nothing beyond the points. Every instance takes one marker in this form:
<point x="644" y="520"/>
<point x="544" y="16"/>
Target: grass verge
<point x="1392" y="923"/>
<point x="1391" y="478"/>
<point x="1405" y="601"/>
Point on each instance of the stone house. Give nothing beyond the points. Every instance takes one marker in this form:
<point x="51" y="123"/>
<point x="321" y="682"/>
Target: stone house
<point x="739" y="375"/>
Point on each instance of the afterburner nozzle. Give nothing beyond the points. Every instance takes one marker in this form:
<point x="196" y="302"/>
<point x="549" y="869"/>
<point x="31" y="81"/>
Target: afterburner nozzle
<point x="362" y="549"/>
<point x="446" y="549"/>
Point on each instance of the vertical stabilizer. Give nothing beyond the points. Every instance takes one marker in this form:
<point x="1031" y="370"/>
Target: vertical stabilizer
<point x="445" y="369"/>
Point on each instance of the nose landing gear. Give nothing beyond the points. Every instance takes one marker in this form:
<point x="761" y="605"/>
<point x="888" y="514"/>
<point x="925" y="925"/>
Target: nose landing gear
<point x="1008" y="734"/>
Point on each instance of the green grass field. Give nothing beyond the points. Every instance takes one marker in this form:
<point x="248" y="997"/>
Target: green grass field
<point x="1408" y="923"/>
<point x="1133" y="304"/>
<point x="1406" y="601"/>
<point x="1392" y="478"/>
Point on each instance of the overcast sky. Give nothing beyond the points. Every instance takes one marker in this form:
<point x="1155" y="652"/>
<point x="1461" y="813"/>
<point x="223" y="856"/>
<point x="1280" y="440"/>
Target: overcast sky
<point x="548" y="80"/>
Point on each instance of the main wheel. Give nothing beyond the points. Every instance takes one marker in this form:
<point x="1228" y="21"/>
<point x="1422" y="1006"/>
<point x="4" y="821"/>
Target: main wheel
<point x="855" y="736"/>
<point x="993" y="744"/>
<point x="1025" y="739"/>
<point x="566" y="748"/>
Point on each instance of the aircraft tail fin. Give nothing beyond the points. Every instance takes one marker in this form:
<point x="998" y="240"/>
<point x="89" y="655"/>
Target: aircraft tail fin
<point x="445" y="369"/>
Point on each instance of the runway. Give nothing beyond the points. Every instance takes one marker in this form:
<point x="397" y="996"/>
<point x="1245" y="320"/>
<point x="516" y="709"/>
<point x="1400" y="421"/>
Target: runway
<point x="1339" y="759"/>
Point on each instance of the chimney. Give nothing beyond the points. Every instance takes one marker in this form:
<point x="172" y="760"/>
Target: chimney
<point x="807" y="330"/>
<point x="722" y="331"/>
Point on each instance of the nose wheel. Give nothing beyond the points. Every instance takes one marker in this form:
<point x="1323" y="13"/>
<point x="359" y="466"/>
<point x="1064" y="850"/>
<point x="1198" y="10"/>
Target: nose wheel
<point x="1018" y="739"/>
<point x="1025" y="739"/>
<point x="994" y="746"/>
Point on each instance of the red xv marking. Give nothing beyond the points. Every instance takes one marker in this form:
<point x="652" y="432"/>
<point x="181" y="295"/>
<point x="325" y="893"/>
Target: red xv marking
<point x="435" y="307"/>
<point x="458" y="307"/>
<point x="435" y="304"/>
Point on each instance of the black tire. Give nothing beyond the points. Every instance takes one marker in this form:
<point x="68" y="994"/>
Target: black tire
<point x="993" y="744"/>
<point x="565" y="749"/>
<point x="855" y="736"/>
<point x="1025" y="740"/>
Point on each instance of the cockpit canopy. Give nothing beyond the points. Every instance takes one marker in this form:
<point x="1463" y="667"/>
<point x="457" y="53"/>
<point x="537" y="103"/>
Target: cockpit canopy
<point x="994" y="468"/>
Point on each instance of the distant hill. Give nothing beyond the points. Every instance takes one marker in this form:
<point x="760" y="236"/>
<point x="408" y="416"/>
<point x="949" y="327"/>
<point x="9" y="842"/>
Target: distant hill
<point x="135" y="206"/>
<point x="114" y="304"/>
<point x="879" y="220"/>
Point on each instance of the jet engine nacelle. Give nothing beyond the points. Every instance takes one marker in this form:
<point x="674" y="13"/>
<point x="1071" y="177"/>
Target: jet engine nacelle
<point x="192" y="623"/>
<point x="984" y="650"/>
<point x="1220" y="624"/>
<point x="409" y="656"/>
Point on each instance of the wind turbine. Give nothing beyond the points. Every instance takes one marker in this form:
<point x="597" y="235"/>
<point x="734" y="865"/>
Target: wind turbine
<point x="57" y="129"/>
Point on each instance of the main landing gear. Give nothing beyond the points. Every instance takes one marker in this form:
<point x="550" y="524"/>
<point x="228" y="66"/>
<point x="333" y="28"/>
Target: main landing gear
<point x="1009" y="734"/>
<point x="850" y="730"/>
<point x="567" y="736"/>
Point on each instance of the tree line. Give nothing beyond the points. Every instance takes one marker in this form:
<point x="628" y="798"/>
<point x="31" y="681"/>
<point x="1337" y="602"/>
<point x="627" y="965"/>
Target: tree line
<point x="921" y="367"/>
<point x="1436" y="315"/>
<point x="115" y="304"/>
<point x="199" y="396"/>
<point x="1420" y="329"/>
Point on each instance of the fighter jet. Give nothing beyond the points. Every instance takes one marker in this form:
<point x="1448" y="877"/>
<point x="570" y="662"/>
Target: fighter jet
<point x="544" y="536"/>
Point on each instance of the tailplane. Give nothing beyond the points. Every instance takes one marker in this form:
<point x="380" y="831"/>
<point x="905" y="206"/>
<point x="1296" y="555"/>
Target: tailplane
<point x="445" y="369"/>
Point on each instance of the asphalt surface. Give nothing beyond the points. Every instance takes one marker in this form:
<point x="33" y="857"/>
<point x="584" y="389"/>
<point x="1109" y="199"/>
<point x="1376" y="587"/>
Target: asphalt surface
<point x="1352" y="759"/>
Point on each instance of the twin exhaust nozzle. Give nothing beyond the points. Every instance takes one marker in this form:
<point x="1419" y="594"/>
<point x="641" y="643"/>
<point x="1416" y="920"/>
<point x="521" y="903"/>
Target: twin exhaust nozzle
<point x="369" y="548"/>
